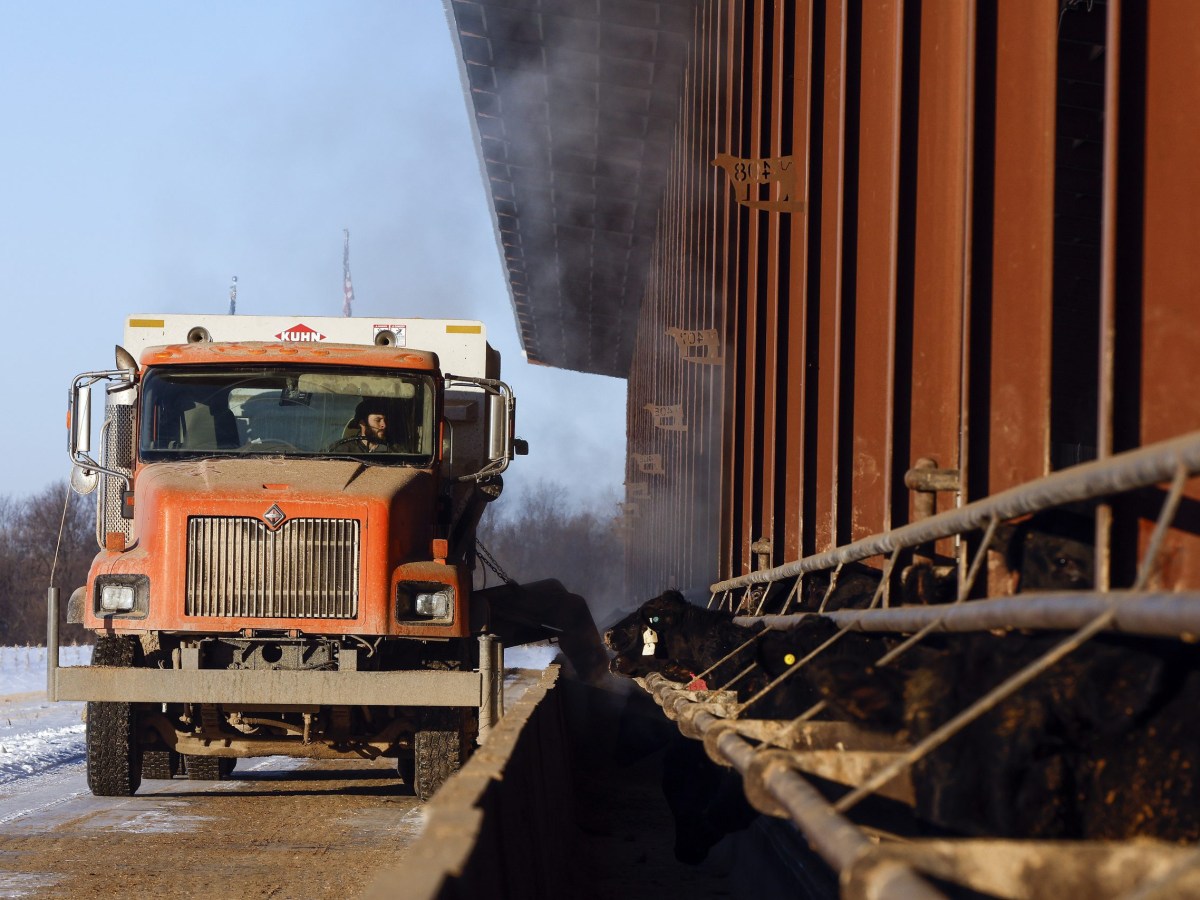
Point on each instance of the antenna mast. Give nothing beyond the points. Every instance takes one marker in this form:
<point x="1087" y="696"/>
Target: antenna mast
<point x="347" y="284"/>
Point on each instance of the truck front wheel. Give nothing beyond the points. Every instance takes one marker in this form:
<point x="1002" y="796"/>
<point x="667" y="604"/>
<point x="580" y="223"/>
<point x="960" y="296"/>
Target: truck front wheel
<point x="114" y="757"/>
<point x="440" y="748"/>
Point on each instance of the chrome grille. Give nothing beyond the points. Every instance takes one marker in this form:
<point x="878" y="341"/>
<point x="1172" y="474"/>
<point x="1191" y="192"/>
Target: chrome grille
<point x="305" y="569"/>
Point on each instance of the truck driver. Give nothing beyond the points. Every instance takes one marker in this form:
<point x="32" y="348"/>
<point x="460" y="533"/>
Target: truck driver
<point x="371" y="418"/>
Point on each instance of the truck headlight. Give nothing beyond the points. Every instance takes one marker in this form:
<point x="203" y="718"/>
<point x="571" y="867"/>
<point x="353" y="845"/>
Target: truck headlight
<point x="436" y="605"/>
<point x="424" y="601"/>
<point x="122" y="595"/>
<point x="116" y="598"/>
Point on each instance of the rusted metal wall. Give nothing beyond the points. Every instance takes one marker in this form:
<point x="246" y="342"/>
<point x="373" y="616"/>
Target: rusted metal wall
<point x="961" y="231"/>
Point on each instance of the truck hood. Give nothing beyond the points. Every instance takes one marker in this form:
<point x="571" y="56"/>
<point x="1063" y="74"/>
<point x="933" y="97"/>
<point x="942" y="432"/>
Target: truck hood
<point x="396" y="505"/>
<point x="185" y="516"/>
<point x="299" y="479"/>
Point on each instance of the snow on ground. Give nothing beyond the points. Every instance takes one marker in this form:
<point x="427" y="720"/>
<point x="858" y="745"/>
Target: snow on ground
<point x="36" y="735"/>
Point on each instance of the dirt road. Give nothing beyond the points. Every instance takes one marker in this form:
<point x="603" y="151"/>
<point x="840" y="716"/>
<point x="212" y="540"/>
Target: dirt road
<point x="278" y="828"/>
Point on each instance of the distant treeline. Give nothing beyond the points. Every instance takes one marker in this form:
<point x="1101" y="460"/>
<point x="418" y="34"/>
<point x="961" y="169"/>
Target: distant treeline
<point x="543" y="534"/>
<point x="29" y="529"/>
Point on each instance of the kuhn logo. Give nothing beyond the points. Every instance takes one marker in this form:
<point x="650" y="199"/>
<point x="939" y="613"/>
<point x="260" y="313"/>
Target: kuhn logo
<point x="300" y="333"/>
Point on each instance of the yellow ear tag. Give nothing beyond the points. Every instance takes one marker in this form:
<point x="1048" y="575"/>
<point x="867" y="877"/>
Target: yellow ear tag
<point x="790" y="659"/>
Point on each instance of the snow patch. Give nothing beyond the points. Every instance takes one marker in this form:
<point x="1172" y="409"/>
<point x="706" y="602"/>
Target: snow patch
<point x="27" y="754"/>
<point x="36" y="736"/>
<point x="162" y="821"/>
<point x="26" y="884"/>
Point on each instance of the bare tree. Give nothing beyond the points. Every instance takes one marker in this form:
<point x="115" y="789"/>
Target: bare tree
<point x="548" y="535"/>
<point x="31" y="554"/>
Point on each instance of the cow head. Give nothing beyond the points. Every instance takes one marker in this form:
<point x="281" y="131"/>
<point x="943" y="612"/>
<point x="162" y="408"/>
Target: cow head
<point x="1053" y="550"/>
<point x="638" y="640"/>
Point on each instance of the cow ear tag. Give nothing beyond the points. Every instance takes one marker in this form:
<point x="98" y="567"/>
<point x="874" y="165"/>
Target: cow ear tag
<point x="649" y="639"/>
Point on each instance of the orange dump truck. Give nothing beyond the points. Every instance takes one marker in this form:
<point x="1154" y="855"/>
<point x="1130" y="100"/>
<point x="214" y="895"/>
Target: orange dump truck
<point x="286" y="514"/>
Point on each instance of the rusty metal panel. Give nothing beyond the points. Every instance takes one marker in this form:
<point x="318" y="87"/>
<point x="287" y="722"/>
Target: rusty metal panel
<point x="874" y="295"/>
<point x="1170" y="333"/>
<point x="795" y="338"/>
<point x="731" y="508"/>
<point x="709" y="308"/>
<point x="829" y="321"/>
<point x="771" y="260"/>
<point x="750" y="299"/>
<point x="932" y="176"/>
<point x="1108" y="272"/>
<point x="673" y="475"/>
<point x="1022" y="249"/>
<point x="939" y="236"/>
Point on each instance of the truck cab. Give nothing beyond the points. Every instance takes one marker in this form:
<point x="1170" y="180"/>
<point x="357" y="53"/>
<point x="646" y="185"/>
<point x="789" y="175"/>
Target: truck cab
<point x="286" y="519"/>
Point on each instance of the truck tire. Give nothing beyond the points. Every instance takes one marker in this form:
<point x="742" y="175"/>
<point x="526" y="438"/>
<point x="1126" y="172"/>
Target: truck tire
<point x="208" y="768"/>
<point x="114" y="757"/>
<point x="440" y="747"/>
<point x="160" y="765"/>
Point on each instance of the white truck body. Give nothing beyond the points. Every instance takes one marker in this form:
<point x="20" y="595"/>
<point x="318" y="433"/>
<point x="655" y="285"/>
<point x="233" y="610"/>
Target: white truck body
<point x="461" y="344"/>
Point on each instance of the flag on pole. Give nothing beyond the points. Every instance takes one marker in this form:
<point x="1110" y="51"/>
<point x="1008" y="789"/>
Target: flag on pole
<point x="348" y="285"/>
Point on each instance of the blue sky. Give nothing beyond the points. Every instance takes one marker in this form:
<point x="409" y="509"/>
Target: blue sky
<point x="152" y="151"/>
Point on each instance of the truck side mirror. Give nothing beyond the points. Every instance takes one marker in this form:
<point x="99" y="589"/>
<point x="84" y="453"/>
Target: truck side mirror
<point x="499" y="434"/>
<point x="81" y="419"/>
<point x="121" y="392"/>
<point x="493" y="447"/>
<point x="84" y="481"/>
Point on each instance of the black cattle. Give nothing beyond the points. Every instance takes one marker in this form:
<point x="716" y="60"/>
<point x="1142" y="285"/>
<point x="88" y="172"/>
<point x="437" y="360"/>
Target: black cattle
<point x="1053" y="550"/>
<point x="669" y="635"/>
<point x="853" y="588"/>
<point x="779" y="651"/>
<point x="688" y="640"/>
<point x="1098" y="747"/>
<point x="924" y="584"/>
<point x="707" y="801"/>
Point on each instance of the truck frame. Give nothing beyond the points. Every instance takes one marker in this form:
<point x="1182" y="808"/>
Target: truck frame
<point x="272" y="579"/>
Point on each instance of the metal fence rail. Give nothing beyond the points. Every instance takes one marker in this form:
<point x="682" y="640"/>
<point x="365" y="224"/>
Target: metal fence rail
<point x="869" y="866"/>
<point x="1118" y="474"/>
<point x="771" y="772"/>
<point x="839" y="841"/>
<point x="1148" y="614"/>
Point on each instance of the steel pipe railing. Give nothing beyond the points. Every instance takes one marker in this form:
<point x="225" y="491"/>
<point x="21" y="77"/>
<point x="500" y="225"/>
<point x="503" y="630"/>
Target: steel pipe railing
<point x="1128" y="471"/>
<point x="839" y="841"/>
<point x="1148" y="614"/>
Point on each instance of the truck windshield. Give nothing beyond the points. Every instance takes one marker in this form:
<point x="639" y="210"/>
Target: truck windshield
<point x="377" y="415"/>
